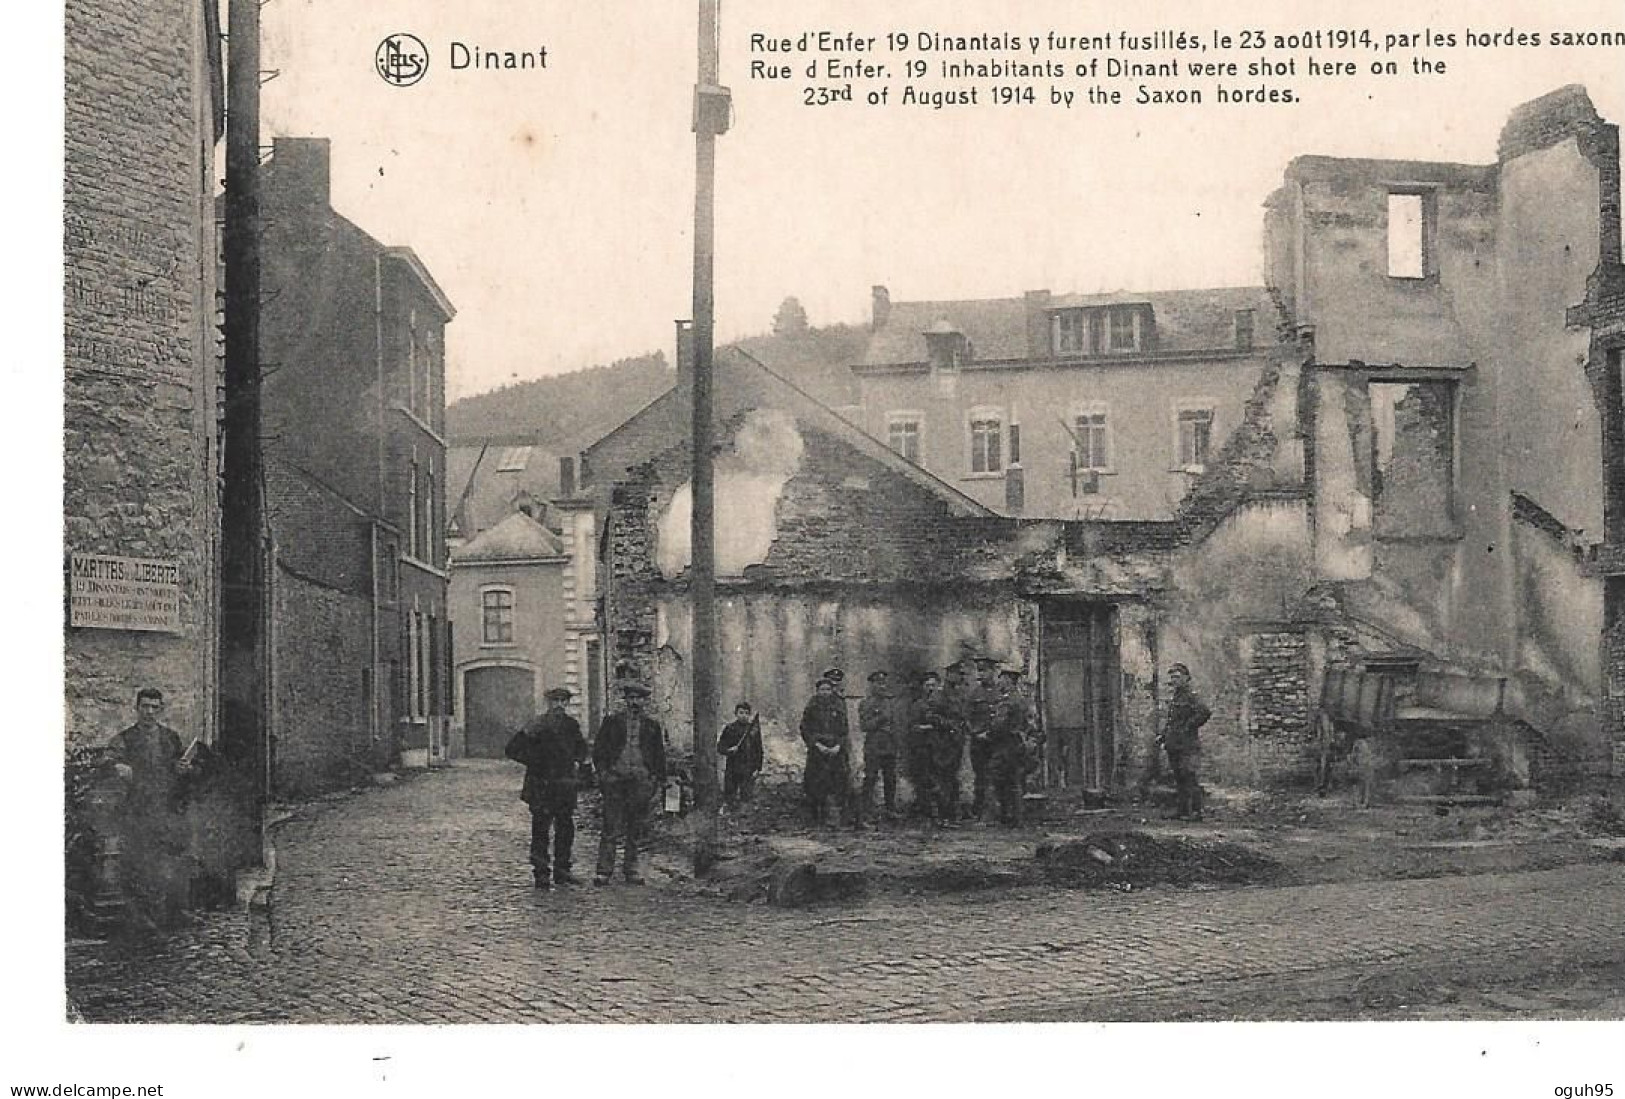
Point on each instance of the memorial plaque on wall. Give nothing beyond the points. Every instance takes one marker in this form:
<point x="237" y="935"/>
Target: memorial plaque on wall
<point x="124" y="593"/>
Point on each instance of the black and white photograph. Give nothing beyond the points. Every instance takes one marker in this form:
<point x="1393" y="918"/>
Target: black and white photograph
<point x="1040" y="516"/>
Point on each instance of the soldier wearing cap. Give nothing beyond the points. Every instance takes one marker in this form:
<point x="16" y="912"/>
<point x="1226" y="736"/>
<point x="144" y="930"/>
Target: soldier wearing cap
<point x="1182" y="720"/>
<point x="948" y="750"/>
<point x="981" y="699"/>
<point x="629" y="754"/>
<point x="936" y="743"/>
<point x="552" y="749"/>
<point x="1008" y="749"/>
<point x="877" y="719"/>
<point x="825" y="732"/>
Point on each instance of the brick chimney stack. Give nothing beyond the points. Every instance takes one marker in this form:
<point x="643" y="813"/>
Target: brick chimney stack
<point x="881" y="306"/>
<point x="300" y="171"/>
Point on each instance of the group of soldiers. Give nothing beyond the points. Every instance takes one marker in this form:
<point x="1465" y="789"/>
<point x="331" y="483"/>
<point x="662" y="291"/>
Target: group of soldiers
<point x="927" y="734"/>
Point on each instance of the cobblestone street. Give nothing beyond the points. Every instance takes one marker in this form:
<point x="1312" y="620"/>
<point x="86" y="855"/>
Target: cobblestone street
<point x="413" y="904"/>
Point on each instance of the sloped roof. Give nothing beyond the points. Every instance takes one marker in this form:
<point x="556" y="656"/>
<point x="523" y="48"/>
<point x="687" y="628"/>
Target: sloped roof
<point x="518" y="537"/>
<point x="481" y="493"/>
<point x="743" y="382"/>
<point x="1187" y="320"/>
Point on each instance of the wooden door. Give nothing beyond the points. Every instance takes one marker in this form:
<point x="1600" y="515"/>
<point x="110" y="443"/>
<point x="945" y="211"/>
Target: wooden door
<point x="1079" y="676"/>
<point x="497" y="703"/>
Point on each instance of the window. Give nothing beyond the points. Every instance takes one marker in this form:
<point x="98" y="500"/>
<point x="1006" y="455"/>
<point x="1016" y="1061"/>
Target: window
<point x="1195" y="438"/>
<point x="1410" y="231"/>
<point x="412" y="394"/>
<point x="1069" y="332"/>
<point x="1091" y="443"/>
<point x="414" y="665"/>
<point x="1413" y="465"/>
<point x="514" y="459"/>
<point x="986" y="441"/>
<point x="429" y="538"/>
<point x="1244" y="330"/>
<point x="496" y="616"/>
<point x="1015" y="444"/>
<point x="903" y="434"/>
<point x="412" y="512"/>
<point x="1122" y="329"/>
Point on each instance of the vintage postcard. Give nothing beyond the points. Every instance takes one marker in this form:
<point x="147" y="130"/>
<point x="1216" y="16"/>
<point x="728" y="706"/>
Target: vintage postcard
<point x="832" y="513"/>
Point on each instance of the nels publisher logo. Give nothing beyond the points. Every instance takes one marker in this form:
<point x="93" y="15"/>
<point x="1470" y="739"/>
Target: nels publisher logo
<point x="402" y="59"/>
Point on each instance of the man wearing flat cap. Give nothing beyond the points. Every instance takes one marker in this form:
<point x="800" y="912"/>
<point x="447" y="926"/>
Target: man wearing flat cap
<point x="552" y="749"/>
<point x="825" y="732"/>
<point x="629" y="754"/>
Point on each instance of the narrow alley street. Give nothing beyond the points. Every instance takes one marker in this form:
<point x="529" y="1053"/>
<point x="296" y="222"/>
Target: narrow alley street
<point x="413" y="904"/>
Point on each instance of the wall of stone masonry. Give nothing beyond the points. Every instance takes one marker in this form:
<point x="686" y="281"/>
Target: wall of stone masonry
<point x="141" y="373"/>
<point x="1278" y="715"/>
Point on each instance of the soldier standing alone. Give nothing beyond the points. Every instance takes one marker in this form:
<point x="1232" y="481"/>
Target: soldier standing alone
<point x="552" y="749"/>
<point x="1182" y="720"/>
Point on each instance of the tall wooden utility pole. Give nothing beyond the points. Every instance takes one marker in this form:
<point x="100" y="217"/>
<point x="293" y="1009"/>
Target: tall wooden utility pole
<point x="711" y="107"/>
<point x="244" y="663"/>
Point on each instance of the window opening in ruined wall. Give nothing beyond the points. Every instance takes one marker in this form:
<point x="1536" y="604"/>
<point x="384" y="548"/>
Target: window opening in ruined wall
<point x="1410" y="233"/>
<point x="1413" y="468"/>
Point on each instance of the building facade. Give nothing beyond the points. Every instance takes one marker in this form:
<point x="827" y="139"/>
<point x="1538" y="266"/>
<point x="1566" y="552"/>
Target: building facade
<point x="353" y="342"/>
<point x="1066" y="406"/>
<point x="142" y="385"/>
<point x="507" y="609"/>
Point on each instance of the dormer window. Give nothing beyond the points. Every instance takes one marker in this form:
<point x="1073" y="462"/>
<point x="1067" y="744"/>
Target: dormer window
<point x="1069" y="332"/>
<point x="1122" y="329"/>
<point x="1102" y="330"/>
<point x="947" y="346"/>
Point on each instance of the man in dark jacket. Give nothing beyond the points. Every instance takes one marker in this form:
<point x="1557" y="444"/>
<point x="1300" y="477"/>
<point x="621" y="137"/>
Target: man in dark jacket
<point x="147" y="759"/>
<point x="552" y="749"/>
<point x="740" y="747"/>
<point x="825" y="732"/>
<point x="935" y="744"/>
<point x="629" y="754"/>
<point x="1182" y="719"/>
<point x="1008" y="751"/>
<point x="877" y="719"/>
<point x="981" y="699"/>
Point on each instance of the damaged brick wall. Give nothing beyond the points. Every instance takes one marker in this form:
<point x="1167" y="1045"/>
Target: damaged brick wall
<point x="320" y="732"/>
<point x="1278" y="714"/>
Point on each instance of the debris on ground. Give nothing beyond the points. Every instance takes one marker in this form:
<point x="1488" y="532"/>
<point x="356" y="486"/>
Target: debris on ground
<point x="1139" y="859"/>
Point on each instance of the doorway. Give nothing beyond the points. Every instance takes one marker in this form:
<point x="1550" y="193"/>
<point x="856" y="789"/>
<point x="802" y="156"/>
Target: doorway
<point x="497" y="703"/>
<point x="1080" y="670"/>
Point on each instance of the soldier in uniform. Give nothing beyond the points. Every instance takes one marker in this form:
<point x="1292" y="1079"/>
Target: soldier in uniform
<point x="552" y="749"/>
<point x="1008" y="751"/>
<point x="981" y="699"/>
<point x="825" y="732"/>
<point x="924" y="711"/>
<point x="629" y="754"/>
<point x="1182" y="719"/>
<point x="948" y="747"/>
<point x="877" y="718"/>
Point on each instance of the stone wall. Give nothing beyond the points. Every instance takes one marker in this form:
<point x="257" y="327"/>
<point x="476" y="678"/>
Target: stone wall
<point x="320" y="735"/>
<point x="141" y="370"/>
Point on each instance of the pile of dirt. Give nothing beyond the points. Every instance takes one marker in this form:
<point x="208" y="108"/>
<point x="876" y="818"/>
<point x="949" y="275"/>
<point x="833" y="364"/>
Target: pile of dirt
<point x="1117" y="859"/>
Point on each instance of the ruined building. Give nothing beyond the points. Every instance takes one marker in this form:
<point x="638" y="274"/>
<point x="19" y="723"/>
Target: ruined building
<point x="1401" y="488"/>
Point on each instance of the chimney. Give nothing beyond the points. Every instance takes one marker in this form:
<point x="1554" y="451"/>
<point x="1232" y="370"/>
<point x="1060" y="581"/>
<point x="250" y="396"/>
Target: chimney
<point x="567" y="475"/>
<point x="881" y="306"/>
<point x="1015" y="489"/>
<point x="300" y="171"/>
<point x="1039" y="344"/>
<point x="685" y="354"/>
